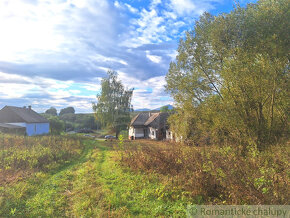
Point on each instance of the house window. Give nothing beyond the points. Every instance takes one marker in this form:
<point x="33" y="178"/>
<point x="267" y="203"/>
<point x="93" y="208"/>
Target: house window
<point x="153" y="132"/>
<point x="35" y="128"/>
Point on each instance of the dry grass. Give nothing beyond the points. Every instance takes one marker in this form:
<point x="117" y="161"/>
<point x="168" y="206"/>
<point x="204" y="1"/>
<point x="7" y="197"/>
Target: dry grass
<point x="22" y="156"/>
<point x="214" y="175"/>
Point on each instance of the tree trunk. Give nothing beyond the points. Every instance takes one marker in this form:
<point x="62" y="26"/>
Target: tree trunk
<point x="117" y="134"/>
<point x="261" y="127"/>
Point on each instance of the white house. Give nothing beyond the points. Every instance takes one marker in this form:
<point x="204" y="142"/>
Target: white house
<point x="23" y="119"/>
<point x="149" y="125"/>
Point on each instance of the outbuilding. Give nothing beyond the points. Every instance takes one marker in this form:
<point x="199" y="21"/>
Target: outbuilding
<point x="23" y="119"/>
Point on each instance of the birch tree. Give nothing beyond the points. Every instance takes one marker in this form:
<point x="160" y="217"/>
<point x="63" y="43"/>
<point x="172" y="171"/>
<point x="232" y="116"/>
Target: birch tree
<point x="114" y="104"/>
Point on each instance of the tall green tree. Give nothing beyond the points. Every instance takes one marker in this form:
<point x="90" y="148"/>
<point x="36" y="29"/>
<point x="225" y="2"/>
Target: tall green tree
<point x="51" y="111"/>
<point x="57" y="126"/>
<point x="114" y="103"/>
<point x="164" y="109"/>
<point x="231" y="74"/>
<point x="67" y="110"/>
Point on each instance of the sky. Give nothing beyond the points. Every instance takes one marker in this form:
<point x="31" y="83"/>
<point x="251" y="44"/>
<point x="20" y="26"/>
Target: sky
<point x="54" y="53"/>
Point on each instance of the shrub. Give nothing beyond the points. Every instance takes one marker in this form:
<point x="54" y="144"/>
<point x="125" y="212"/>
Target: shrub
<point x="36" y="153"/>
<point x="216" y="175"/>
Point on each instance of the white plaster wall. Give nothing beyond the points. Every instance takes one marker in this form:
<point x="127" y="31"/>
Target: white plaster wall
<point x="136" y="132"/>
<point x="152" y="133"/>
<point x="169" y="135"/>
<point x="131" y="131"/>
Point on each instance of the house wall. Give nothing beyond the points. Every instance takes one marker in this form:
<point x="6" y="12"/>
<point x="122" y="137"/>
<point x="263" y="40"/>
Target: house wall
<point x="136" y="132"/>
<point x="139" y="133"/>
<point x="37" y="128"/>
<point x="34" y="128"/>
<point x="169" y="135"/>
<point x="152" y="133"/>
<point x="131" y="132"/>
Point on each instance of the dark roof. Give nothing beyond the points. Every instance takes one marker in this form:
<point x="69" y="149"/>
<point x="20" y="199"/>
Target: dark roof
<point x="151" y="118"/>
<point x="156" y="120"/>
<point x="10" y="126"/>
<point x="10" y="114"/>
<point x="140" y="119"/>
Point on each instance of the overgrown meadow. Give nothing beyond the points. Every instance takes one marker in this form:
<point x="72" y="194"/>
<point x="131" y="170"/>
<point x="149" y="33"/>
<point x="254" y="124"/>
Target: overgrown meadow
<point x="212" y="174"/>
<point x="25" y="160"/>
<point x="74" y="176"/>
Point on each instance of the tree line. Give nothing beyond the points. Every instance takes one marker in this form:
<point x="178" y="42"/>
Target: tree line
<point x="230" y="80"/>
<point x="68" y="120"/>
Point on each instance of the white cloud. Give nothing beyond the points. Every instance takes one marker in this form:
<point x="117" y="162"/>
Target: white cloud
<point x="125" y="6"/>
<point x="149" y="28"/>
<point x="46" y="42"/>
<point x="92" y="87"/>
<point x="44" y="92"/>
<point x="117" y="4"/>
<point x="132" y="9"/>
<point x="28" y="30"/>
<point x="102" y="58"/>
<point x="183" y="6"/>
<point x="192" y="7"/>
<point x="149" y="93"/>
<point x="173" y="55"/>
<point x="169" y="15"/>
<point x="153" y="58"/>
<point x="154" y="3"/>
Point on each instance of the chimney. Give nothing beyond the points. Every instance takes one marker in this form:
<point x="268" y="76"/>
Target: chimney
<point x="29" y="107"/>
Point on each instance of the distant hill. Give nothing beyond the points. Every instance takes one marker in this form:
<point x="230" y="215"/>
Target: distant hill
<point x="170" y="107"/>
<point x="143" y="109"/>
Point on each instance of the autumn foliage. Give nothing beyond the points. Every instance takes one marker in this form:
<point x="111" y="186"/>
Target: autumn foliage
<point x="215" y="175"/>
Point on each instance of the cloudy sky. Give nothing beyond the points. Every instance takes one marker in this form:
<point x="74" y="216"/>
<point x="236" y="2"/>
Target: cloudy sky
<point x="55" y="52"/>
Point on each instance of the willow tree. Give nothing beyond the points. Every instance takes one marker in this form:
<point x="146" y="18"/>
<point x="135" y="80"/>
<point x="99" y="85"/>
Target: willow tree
<point x="233" y="71"/>
<point x="114" y="104"/>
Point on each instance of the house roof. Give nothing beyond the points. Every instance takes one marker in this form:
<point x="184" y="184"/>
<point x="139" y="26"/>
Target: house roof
<point x="10" y="126"/>
<point x="10" y="114"/>
<point x="140" y="119"/>
<point x="151" y="118"/>
<point x="156" y="120"/>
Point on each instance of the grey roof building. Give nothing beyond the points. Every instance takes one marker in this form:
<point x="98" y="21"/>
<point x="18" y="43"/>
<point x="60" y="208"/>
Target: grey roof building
<point x="10" y="114"/>
<point x="149" y="125"/>
<point x="20" y="119"/>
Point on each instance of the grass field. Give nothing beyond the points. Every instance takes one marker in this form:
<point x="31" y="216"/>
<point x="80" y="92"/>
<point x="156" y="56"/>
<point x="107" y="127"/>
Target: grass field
<point x="75" y="176"/>
<point x="90" y="184"/>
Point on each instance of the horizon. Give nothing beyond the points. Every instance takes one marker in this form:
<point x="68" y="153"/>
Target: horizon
<point x="58" y="111"/>
<point x="55" y="53"/>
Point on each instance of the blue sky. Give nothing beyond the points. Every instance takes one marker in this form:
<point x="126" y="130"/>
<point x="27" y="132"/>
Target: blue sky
<point x="55" y="52"/>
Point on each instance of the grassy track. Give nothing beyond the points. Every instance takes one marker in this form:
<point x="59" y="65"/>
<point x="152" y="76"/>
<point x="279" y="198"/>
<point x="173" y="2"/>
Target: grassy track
<point x="92" y="186"/>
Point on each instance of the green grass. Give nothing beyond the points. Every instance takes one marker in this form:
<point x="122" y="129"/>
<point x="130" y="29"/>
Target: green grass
<point x="128" y="193"/>
<point x="93" y="185"/>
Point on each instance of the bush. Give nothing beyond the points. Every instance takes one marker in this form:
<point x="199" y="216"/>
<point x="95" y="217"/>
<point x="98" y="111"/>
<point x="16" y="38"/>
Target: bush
<point x="36" y="153"/>
<point x="216" y="175"/>
<point x="56" y="125"/>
